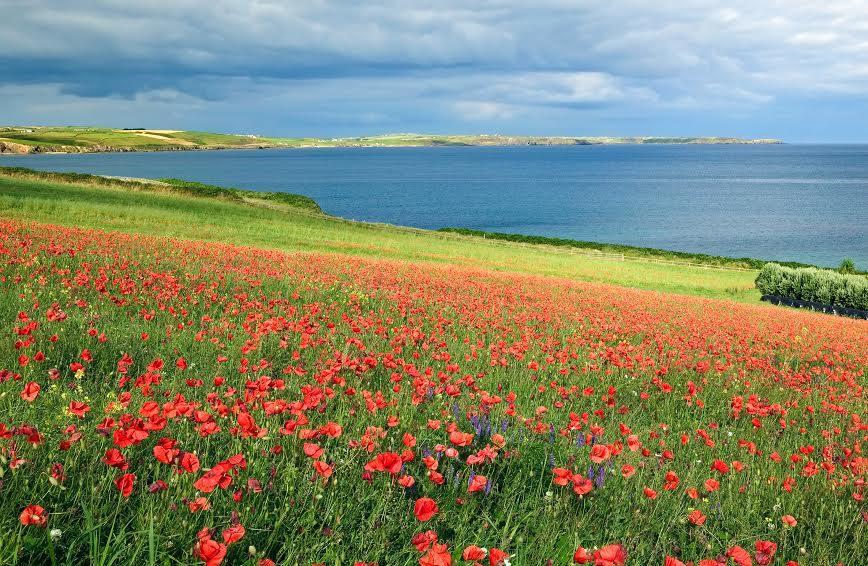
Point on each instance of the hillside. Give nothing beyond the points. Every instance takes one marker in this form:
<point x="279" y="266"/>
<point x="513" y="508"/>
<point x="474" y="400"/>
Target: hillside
<point x="195" y="211"/>
<point x="195" y="374"/>
<point x="85" y="140"/>
<point x="34" y="139"/>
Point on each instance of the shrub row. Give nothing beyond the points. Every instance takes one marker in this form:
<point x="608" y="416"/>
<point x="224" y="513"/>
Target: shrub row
<point x="201" y="189"/>
<point x="814" y="285"/>
<point x="746" y="262"/>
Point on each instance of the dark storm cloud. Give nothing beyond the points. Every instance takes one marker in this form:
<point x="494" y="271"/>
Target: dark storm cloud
<point x="530" y="66"/>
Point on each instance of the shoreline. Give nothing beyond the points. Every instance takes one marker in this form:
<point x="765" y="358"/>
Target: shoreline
<point x="15" y="140"/>
<point x="38" y="151"/>
<point x="72" y="150"/>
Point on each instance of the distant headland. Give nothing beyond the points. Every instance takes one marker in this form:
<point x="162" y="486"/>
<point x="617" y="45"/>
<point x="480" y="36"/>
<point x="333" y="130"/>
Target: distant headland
<point x="48" y="139"/>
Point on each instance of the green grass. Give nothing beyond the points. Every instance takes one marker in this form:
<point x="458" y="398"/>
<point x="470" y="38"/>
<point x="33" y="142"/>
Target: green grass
<point x="178" y="186"/>
<point x="258" y="219"/>
<point x="145" y="140"/>
<point x="741" y="262"/>
<point x="81" y="137"/>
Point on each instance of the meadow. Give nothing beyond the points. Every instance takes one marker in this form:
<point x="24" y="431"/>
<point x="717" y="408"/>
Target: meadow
<point x="201" y="379"/>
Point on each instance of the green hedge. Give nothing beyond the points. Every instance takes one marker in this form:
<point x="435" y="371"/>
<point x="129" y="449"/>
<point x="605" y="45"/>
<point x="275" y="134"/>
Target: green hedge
<point x="744" y="262"/>
<point x="201" y="189"/>
<point x="816" y="285"/>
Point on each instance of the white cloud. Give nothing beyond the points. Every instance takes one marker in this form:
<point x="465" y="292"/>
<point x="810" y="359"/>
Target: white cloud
<point x="813" y="38"/>
<point x="482" y="110"/>
<point x="564" y="88"/>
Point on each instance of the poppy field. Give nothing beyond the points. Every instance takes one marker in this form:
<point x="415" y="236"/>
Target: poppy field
<point x="176" y="402"/>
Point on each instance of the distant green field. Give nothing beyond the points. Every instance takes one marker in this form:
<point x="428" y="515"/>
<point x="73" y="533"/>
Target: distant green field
<point x="58" y="139"/>
<point x="73" y="139"/>
<point x="193" y="211"/>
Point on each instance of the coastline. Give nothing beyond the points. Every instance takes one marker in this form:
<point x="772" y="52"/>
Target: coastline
<point x="45" y="141"/>
<point x="39" y="150"/>
<point x="10" y="149"/>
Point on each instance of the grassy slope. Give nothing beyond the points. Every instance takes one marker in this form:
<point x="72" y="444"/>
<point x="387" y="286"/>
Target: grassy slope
<point x="656" y="253"/>
<point x="272" y="224"/>
<point x="213" y="307"/>
<point x="90" y="137"/>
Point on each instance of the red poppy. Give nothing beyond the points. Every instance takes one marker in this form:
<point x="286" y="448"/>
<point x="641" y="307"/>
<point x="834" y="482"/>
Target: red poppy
<point x="600" y="453"/>
<point x="33" y="515"/>
<point x="422" y="541"/>
<point x="671" y="481"/>
<point x="720" y="466"/>
<point x="740" y="556"/>
<point x="388" y="462"/>
<point x="611" y="555"/>
<point x="189" y="462"/>
<point x="210" y="551"/>
<point x="438" y="556"/>
<point x="697" y="517"/>
<point x="312" y="450"/>
<point x="497" y="557"/>
<point x="322" y="469"/>
<point x="30" y="392"/>
<point x="765" y="551"/>
<point x="425" y="508"/>
<point x="478" y="483"/>
<point x="711" y="485"/>
<point x="78" y="409"/>
<point x="472" y="553"/>
<point x="562" y="476"/>
<point x="459" y="438"/>
<point x="233" y="534"/>
<point x="199" y="504"/>
<point x="582" y="485"/>
<point x="165" y="451"/>
<point x="125" y="484"/>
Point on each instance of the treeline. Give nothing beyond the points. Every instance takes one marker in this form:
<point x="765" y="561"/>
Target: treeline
<point x="822" y="286"/>
<point x="177" y="186"/>
<point x="744" y="262"/>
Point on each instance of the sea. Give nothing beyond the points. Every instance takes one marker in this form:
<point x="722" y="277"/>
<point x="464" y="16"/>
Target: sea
<point x="791" y="202"/>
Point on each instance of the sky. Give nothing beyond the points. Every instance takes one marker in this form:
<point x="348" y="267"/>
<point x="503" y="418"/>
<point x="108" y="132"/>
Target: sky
<point x="793" y="70"/>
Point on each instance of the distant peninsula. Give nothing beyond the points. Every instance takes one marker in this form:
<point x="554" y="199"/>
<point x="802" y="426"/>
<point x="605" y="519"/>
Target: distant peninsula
<point x="47" y="139"/>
